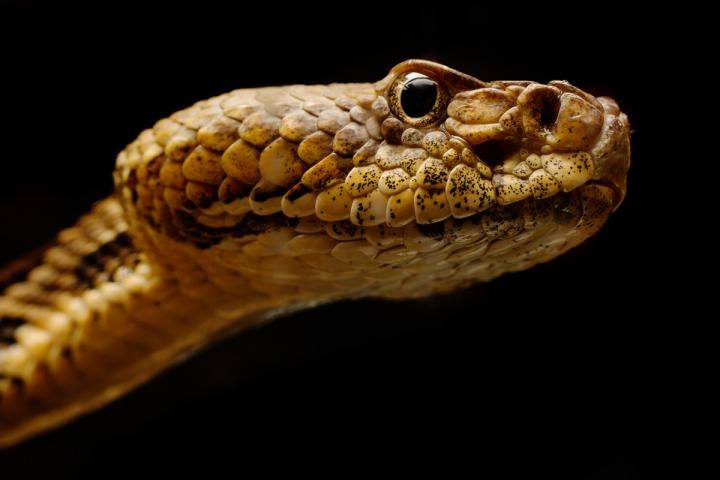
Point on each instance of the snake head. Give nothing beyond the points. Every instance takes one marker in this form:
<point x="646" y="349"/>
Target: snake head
<point x="424" y="159"/>
<point x="528" y="139"/>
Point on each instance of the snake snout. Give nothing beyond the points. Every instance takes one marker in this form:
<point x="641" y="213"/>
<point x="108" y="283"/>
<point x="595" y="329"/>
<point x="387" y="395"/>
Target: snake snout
<point x="553" y="137"/>
<point x="611" y="151"/>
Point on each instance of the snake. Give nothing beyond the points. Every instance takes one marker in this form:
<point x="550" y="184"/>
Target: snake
<point x="260" y="202"/>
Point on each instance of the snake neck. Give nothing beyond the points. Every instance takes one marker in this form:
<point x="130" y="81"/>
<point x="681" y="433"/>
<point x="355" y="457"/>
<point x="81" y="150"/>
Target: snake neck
<point x="113" y="301"/>
<point x="95" y="317"/>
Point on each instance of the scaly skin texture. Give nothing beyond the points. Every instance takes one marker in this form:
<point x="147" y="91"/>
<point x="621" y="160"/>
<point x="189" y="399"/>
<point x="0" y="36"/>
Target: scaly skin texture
<point x="263" y="201"/>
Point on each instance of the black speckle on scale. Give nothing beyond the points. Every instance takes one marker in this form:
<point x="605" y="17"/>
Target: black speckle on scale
<point x="418" y="96"/>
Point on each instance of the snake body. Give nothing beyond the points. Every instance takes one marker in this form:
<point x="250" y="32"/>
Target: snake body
<point x="263" y="201"/>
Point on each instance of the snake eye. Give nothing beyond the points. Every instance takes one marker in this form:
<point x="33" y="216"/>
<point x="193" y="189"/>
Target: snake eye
<point x="417" y="99"/>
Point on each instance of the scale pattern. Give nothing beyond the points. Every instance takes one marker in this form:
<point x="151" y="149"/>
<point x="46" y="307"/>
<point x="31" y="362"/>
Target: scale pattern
<point x="263" y="201"/>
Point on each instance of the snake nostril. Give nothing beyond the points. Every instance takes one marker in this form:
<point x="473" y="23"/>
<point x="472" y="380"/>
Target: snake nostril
<point x="549" y="110"/>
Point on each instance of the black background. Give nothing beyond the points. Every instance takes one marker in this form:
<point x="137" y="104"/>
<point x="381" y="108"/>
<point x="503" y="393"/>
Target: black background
<point x="547" y="372"/>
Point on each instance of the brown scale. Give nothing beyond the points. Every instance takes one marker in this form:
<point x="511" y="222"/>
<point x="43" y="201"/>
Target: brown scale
<point x="432" y="230"/>
<point x="8" y="325"/>
<point x="204" y="237"/>
<point x="92" y="268"/>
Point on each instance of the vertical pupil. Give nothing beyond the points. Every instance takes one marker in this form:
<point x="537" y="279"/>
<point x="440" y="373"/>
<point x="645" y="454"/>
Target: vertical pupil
<point x="418" y="96"/>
